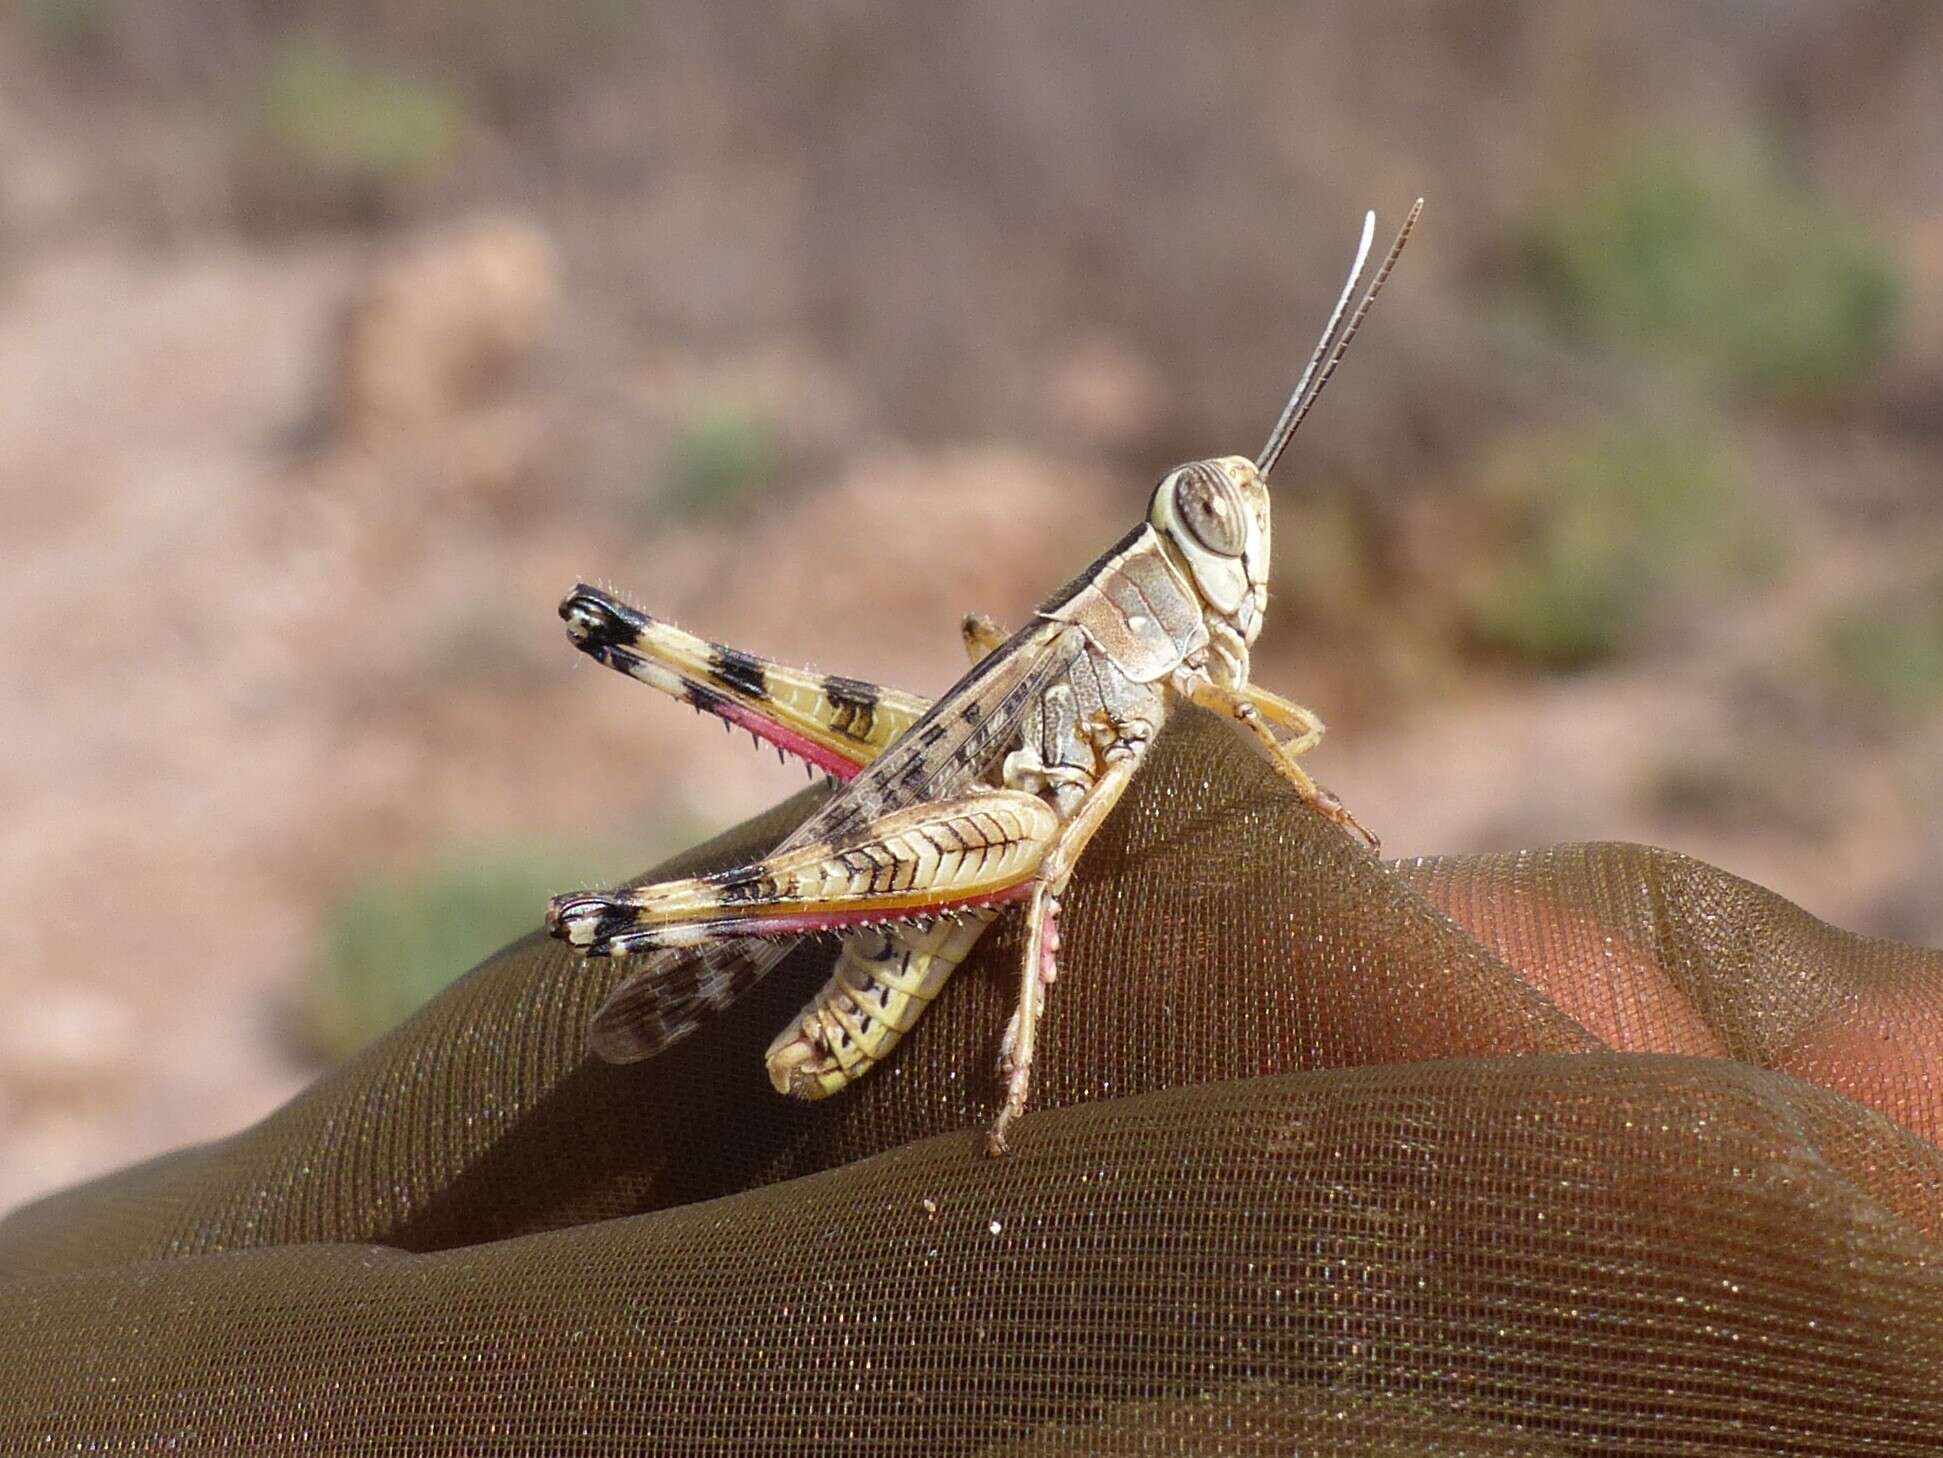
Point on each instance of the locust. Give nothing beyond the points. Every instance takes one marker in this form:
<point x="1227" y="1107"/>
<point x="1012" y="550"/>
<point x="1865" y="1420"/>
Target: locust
<point x="947" y="812"/>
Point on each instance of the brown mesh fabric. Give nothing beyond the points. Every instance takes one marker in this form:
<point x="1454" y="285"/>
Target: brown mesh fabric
<point x="1282" y="1190"/>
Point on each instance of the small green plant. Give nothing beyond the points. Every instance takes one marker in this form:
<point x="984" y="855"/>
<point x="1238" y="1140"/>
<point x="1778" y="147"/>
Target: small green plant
<point x="337" y="140"/>
<point x="1598" y="535"/>
<point x="1891" y="647"/>
<point x="719" y="460"/>
<point x="1725" y="262"/>
<point x="394" y="942"/>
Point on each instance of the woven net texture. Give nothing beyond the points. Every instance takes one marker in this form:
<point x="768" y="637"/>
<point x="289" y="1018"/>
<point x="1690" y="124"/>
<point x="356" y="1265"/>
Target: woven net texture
<point x="1595" y="1149"/>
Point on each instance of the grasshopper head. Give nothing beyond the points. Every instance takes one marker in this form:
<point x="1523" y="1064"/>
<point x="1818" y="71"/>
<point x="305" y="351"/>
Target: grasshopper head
<point x="1214" y="514"/>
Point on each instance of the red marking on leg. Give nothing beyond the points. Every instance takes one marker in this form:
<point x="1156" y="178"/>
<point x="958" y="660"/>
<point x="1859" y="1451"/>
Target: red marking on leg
<point x="1049" y="947"/>
<point x="787" y="739"/>
<point x="799" y="923"/>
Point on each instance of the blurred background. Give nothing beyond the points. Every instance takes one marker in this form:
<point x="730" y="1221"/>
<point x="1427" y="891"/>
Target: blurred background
<point x="338" y="340"/>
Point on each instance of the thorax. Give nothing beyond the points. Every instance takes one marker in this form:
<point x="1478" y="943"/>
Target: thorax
<point x="1139" y="612"/>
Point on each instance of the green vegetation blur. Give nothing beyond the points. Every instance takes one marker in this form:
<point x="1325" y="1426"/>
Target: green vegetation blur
<point x="392" y="942"/>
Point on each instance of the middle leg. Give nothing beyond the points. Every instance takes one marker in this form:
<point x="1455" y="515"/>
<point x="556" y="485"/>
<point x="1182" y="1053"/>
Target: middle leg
<point x="1042" y="931"/>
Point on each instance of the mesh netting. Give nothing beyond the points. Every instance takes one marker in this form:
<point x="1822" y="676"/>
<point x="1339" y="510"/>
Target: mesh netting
<point x="1283" y="1188"/>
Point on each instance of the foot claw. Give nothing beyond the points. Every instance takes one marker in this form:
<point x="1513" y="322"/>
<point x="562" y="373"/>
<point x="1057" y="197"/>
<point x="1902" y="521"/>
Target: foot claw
<point x="1332" y="809"/>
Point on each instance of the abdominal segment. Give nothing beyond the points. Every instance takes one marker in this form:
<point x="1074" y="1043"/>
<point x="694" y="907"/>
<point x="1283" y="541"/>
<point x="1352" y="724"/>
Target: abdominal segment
<point x="880" y="986"/>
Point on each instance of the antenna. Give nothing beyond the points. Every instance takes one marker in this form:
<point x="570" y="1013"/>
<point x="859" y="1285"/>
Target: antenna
<point x="1285" y="427"/>
<point x="1332" y="343"/>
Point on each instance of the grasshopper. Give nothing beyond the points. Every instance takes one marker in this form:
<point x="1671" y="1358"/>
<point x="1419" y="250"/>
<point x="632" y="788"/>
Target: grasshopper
<point x="949" y="811"/>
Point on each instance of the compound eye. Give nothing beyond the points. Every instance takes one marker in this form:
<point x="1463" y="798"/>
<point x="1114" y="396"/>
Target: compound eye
<point x="1207" y="503"/>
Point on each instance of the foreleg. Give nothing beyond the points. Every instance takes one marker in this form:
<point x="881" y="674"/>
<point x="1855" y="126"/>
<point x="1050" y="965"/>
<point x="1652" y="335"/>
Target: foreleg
<point x="1257" y="711"/>
<point x="1304" y="726"/>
